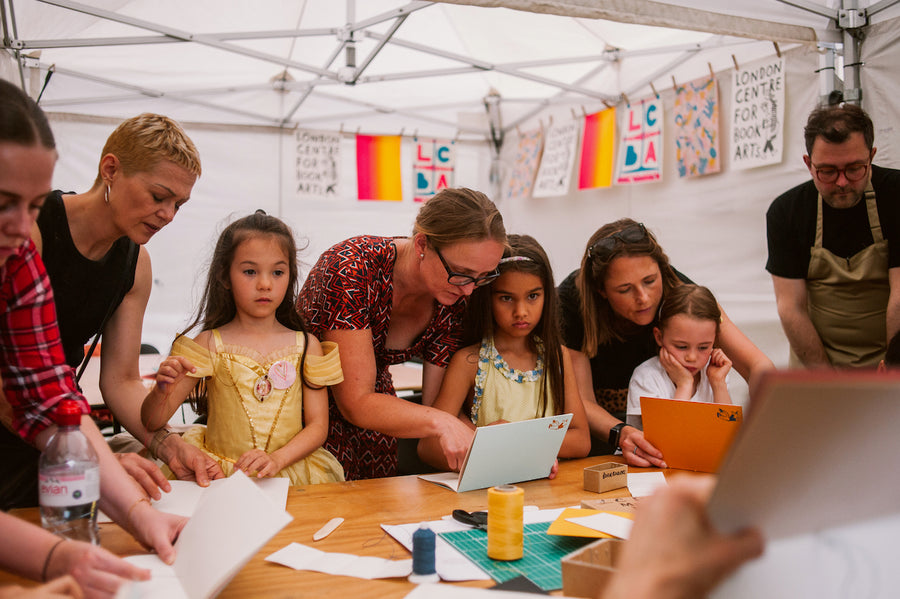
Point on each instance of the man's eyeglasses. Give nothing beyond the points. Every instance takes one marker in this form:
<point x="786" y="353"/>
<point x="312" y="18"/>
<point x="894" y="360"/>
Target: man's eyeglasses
<point x="630" y="234"/>
<point x="853" y="172"/>
<point x="459" y="279"/>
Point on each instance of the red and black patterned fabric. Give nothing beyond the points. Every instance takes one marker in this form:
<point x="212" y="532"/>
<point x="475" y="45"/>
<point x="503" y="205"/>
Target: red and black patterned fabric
<point x="350" y="287"/>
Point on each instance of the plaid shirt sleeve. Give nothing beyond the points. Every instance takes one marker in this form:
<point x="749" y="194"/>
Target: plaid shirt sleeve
<point x="32" y="364"/>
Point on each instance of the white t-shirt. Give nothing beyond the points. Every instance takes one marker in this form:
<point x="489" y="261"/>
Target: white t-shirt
<point x="650" y="380"/>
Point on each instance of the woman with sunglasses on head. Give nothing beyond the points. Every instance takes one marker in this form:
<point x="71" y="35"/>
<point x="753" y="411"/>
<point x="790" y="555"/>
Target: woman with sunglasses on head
<point x="609" y="308"/>
<point x="385" y="300"/>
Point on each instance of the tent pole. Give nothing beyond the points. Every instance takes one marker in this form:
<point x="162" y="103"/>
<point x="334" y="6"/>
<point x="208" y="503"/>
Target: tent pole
<point x="852" y="23"/>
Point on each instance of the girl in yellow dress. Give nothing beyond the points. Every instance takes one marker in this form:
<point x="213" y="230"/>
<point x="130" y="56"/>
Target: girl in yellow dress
<point x="264" y="374"/>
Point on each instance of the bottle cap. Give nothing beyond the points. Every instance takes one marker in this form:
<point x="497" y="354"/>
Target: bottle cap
<point x="68" y="413"/>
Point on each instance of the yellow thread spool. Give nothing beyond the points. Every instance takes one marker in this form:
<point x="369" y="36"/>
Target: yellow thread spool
<point x="504" y="526"/>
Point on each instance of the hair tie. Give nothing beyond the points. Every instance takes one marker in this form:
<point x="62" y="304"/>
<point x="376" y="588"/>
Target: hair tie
<point x="509" y="259"/>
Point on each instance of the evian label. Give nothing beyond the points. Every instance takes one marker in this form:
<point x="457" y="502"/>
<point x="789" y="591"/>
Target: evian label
<point x="69" y="489"/>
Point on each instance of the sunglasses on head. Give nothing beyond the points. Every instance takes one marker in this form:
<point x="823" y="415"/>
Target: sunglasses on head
<point x="630" y="234"/>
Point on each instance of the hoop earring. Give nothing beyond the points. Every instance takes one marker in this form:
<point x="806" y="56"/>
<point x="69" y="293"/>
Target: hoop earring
<point x="106" y="195"/>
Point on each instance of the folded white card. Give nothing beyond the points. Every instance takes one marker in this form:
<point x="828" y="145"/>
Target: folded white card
<point x="507" y="453"/>
<point x="232" y="521"/>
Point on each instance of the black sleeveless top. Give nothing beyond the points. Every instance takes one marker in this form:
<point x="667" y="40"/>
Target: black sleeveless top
<point x="84" y="290"/>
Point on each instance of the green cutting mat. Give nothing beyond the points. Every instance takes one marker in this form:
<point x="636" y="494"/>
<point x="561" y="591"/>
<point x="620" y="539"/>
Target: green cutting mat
<point x="540" y="561"/>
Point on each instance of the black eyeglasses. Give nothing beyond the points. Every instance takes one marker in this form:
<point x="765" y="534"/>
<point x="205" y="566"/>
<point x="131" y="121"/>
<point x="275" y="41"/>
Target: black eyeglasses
<point x="853" y="172"/>
<point x="459" y="279"/>
<point x="630" y="234"/>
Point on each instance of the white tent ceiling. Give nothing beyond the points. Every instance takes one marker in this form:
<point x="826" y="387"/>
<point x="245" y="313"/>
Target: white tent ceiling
<point x="421" y="66"/>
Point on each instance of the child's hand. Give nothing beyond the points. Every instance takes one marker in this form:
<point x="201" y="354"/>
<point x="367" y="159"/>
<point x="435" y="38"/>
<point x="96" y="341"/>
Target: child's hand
<point x="678" y="373"/>
<point x="719" y="365"/>
<point x="259" y="462"/>
<point x="171" y="370"/>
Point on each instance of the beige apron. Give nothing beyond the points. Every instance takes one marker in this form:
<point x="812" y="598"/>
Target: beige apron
<point x="848" y="296"/>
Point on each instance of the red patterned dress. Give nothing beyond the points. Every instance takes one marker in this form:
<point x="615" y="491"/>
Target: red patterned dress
<point x="350" y="287"/>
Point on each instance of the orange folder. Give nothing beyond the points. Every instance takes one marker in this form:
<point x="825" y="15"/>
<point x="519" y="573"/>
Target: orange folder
<point x="691" y="435"/>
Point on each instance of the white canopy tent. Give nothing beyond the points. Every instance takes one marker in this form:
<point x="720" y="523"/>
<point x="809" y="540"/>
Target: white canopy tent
<point x="243" y="76"/>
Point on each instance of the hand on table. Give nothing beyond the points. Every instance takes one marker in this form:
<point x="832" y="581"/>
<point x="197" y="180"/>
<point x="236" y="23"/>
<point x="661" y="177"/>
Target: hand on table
<point x="637" y="451"/>
<point x="154" y="529"/>
<point x="455" y="440"/>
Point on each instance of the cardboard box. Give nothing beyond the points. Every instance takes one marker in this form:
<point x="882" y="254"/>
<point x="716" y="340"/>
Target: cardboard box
<point x="605" y="477"/>
<point x="587" y="571"/>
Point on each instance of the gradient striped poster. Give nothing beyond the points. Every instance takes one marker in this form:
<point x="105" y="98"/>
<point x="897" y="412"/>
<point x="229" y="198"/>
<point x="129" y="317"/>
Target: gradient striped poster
<point x="378" y="167"/>
<point x="597" y="144"/>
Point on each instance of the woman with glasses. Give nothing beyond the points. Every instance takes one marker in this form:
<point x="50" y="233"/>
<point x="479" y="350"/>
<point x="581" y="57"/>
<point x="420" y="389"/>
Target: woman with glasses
<point x="609" y="308"/>
<point x="385" y="300"/>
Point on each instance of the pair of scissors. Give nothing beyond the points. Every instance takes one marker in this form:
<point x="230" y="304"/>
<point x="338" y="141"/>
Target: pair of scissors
<point x="474" y="519"/>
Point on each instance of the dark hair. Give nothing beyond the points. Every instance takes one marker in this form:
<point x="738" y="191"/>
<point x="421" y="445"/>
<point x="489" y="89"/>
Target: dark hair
<point x="601" y="325"/>
<point x="21" y="120"/>
<point x="532" y="259"/>
<point x="217" y="307"/>
<point x="695" y="301"/>
<point x="459" y="214"/>
<point x="892" y="355"/>
<point x="835" y="123"/>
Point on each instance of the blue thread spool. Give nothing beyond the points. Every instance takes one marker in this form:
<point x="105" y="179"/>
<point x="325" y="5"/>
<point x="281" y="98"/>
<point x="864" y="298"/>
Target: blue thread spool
<point x="423" y="556"/>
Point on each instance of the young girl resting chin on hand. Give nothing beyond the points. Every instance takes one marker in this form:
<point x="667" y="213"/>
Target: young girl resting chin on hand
<point x="263" y="373"/>
<point x="519" y="370"/>
<point x="689" y="366"/>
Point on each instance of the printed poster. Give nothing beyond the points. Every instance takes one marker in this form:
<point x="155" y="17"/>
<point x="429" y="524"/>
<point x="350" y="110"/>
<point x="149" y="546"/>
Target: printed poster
<point x="433" y="167"/>
<point x="640" y="145"/>
<point x="557" y="161"/>
<point x="757" y="125"/>
<point x="528" y="152"/>
<point x="378" y="168"/>
<point x="597" y="146"/>
<point x="317" y="161"/>
<point x="697" y="127"/>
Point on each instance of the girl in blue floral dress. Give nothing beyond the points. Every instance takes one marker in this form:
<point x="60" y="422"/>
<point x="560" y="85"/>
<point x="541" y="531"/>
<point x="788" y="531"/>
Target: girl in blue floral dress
<point x="520" y="369"/>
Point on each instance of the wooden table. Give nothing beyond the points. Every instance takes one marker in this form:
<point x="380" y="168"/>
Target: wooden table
<point x="364" y="505"/>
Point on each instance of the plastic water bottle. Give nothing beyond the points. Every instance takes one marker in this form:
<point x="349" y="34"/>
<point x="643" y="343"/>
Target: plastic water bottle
<point x="69" y="479"/>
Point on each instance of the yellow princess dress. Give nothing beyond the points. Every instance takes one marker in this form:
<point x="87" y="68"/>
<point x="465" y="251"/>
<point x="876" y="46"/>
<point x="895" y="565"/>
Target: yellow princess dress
<point x="256" y="402"/>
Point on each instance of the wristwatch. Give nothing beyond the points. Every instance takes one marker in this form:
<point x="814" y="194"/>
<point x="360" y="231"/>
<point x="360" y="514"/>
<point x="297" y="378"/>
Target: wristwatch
<point x="614" y="434"/>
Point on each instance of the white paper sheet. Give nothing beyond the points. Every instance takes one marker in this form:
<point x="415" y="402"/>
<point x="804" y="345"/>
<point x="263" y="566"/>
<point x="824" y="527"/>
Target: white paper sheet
<point x="642" y="484"/>
<point x="303" y="557"/>
<point x="610" y="524"/>
<point x="232" y="521"/>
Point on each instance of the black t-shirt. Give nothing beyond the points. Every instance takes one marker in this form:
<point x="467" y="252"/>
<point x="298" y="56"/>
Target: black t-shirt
<point x="83" y="289"/>
<point x="791" y="225"/>
<point x="614" y="363"/>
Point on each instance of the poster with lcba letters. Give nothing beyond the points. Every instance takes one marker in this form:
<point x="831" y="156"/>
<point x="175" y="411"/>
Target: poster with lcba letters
<point x="557" y="160"/>
<point x="757" y="123"/>
<point x="640" y="146"/>
<point x="316" y="164"/>
<point x="433" y="167"/>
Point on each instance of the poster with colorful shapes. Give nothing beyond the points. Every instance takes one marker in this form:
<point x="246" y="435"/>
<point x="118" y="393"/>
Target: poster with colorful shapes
<point x="378" y="167"/>
<point x="528" y="152"/>
<point x="757" y="125"/>
<point x="433" y="167"/>
<point x="697" y="127"/>
<point x="640" y="145"/>
<point x="597" y="146"/>
<point x="557" y="161"/>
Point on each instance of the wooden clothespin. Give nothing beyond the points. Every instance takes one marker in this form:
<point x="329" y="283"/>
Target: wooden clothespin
<point x="777" y="49"/>
<point x="712" y="73"/>
<point x="519" y="131"/>
<point x="341" y="129"/>
<point x="607" y="104"/>
<point x="358" y="129"/>
<point x="550" y="124"/>
<point x="674" y="85"/>
<point x="455" y="139"/>
<point x="736" y="67"/>
<point x="653" y="89"/>
<point x="625" y="97"/>
<point x="583" y="112"/>
<point x="402" y="129"/>
<point x="416" y="133"/>
<point x="574" y="114"/>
